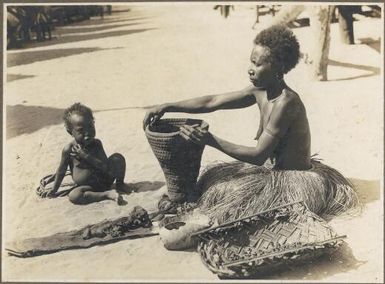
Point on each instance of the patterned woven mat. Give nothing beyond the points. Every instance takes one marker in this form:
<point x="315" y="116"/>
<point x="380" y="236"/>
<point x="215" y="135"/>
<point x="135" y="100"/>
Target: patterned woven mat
<point x="285" y="235"/>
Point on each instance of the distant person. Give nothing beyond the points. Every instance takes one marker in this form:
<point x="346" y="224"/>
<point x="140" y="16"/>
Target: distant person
<point x="43" y="23"/>
<point x="279" y="169"/>
<point x="224" y="9"/>
<point x="90" y="168"/>
<point x="345" y="20"/>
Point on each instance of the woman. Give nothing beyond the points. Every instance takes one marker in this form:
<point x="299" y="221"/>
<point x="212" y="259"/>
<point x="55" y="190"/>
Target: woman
<point x="233" y="190"/>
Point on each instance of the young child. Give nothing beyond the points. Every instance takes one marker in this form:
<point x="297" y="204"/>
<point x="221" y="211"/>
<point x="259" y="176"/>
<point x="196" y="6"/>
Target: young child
<point x="90" y="168"/>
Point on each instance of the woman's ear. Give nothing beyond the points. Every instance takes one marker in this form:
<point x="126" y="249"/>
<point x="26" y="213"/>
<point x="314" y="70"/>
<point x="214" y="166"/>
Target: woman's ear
<point x="277" y="70"/>
<point x="279" y="75"/>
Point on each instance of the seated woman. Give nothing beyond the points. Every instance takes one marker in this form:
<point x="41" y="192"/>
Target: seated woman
<point x="279" y="169"/>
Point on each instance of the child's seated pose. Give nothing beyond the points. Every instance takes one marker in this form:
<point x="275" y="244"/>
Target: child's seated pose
<point x="90" y="168"/>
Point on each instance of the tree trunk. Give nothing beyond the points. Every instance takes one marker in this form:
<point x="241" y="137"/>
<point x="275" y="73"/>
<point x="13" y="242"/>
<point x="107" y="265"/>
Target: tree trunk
<point x="320" y="17"/>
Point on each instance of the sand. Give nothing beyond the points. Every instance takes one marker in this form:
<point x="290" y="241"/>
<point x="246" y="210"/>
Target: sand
<point x="152" y="54"/>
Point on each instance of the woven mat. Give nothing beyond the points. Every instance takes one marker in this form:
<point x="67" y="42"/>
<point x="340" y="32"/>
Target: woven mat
<point x="46" y="183"/>
<point x="284" y="235"/>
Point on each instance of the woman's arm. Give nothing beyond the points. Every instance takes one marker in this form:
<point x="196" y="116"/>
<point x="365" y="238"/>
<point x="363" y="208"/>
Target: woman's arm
<point x="280" y="120"/>
<point x="232" y="100"/>
<point x="253" y="155"/>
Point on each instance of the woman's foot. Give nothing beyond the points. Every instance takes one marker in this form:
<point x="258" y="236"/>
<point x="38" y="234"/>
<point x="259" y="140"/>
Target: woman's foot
<point x="166" y="206"/>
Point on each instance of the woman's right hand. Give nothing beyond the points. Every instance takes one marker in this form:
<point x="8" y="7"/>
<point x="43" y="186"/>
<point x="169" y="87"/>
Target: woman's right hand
<point x="153" y="114"/>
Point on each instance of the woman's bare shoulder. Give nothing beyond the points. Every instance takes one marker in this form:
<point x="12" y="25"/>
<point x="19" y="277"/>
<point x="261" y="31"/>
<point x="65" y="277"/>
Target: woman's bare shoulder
<point x="290" y="97"/>
<point x="254" y="91"/>
<point x="289" y="103"/>
<point x="291" y="94"/>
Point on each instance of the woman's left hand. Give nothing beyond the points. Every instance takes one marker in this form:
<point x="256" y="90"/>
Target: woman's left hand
<point x="196" y="134"/>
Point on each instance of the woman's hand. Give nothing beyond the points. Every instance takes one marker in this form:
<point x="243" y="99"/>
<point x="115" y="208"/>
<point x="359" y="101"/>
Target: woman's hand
<point x="153" y="114"/>
<point x="196" y="134"/>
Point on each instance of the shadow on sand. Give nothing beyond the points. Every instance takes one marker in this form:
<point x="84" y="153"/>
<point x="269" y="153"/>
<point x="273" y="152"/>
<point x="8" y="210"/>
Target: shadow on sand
<point x="373" y="70"/>
<point x="27" y="119"/>
<point x="83" y="37"/>
<point x="75" y="33"/>
<point x="372" y="43"/>
<point x="28" y="57"/>
<point x="101" y="22"/>
<point x="88" y="29"/>
<point x="367" y="190"/>
<point x="142" y="186"/>
<point x="38" y="117"/>
<point x="14" y="77"/>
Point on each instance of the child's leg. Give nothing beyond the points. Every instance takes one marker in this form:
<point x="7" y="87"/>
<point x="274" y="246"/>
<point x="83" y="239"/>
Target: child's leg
<point x="117" y="165"/>
<point x="85" y="194"/>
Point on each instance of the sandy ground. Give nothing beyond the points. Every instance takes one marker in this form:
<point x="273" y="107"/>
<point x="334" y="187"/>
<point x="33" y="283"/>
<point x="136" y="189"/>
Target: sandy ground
<point x="158" y="53"/>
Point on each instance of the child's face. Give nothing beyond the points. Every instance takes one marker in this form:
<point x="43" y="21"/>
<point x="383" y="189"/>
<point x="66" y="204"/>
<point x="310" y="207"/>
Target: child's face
<point x="83" y="129"/>
<point x="261" y="71"/>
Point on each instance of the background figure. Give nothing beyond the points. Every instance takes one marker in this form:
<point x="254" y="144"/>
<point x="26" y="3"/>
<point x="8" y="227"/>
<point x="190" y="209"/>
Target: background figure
<point x="42" y="23"/>
<point x="224" y="9"/>
<point x="13" y="28"/>
<point x="345" y="20"/>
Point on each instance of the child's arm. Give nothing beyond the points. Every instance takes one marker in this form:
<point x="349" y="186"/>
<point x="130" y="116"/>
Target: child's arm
<point x="97" y="160"/>
<point x="60" y="172"/>
<point x="232" y="100"/>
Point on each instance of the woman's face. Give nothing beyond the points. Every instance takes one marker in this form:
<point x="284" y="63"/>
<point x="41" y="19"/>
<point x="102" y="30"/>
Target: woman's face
<point x="261" y="71"/>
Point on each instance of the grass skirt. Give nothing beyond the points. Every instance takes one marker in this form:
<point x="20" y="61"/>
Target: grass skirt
<point x="235" y="190"/>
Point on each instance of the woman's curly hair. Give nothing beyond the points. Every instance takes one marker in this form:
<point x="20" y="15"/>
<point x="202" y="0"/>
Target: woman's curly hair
<point x="76" y="108"/>
<point x="283" y="46"/>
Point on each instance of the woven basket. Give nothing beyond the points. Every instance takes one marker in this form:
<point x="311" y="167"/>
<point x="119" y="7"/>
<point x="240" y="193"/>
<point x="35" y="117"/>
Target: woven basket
<point x="179" y="159"/>
<point x="267" y="241"/>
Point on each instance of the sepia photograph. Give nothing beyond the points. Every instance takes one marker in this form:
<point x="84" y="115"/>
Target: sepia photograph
<point x="193" y="142"/>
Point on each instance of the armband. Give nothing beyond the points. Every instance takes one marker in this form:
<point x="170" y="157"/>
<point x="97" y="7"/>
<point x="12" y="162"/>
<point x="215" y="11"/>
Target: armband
<point x="271" y="134"/>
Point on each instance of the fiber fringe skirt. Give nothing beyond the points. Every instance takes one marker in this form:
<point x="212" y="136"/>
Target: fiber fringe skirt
<point x="237" y="189"/>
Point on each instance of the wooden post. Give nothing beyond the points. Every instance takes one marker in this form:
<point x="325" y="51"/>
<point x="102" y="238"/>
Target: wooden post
<point x="320" y="18"/>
